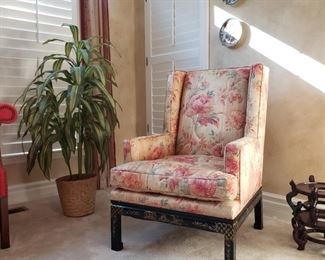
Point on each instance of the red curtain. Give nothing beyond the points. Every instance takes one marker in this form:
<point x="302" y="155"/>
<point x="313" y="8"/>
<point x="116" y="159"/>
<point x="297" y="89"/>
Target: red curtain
<point x="94" y="21"/>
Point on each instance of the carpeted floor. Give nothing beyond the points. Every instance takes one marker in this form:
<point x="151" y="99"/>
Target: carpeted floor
<point x="43" y="233"/>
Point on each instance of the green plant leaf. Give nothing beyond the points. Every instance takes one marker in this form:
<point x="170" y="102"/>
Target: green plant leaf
<point x="66" y="152"/>
<point x="86" y="44"/>
<point x="32" y="153"/>
<point x="89" y="157"/>
<point x="86" y="105"/>
<point x="74" y="30"/>
<point x="57" y="64"/>
<point x="77" y="73"/>
<point x="73" y="94"/>
<point x="97" y="113"/>
<point x="67" y="48"/>
<point x="53" y="40"/>
<point x="45" y="154"/>
<point x="85" y="55"/>
<point x="100" y="73"/>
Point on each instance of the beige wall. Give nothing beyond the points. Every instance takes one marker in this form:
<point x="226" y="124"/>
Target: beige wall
<point x="127" y="34"/>
<point x="17" y="172"/>
<point x="295" y="134"/>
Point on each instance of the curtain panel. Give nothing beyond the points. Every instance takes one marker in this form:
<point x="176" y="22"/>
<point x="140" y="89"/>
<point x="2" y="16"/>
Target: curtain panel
<point x="94" y="21"/>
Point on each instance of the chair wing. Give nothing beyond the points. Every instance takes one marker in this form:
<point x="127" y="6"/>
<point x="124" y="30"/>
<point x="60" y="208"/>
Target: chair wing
<point x="158" y="146"/>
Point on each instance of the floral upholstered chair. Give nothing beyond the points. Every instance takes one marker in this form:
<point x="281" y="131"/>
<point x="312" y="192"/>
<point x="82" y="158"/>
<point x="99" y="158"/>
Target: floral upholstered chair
<point x="8" y="114"/>
<point x="205" y="170"/>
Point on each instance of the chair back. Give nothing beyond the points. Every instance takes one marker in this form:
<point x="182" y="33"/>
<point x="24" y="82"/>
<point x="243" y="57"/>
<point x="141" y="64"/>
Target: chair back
<point x="207" y="109"/>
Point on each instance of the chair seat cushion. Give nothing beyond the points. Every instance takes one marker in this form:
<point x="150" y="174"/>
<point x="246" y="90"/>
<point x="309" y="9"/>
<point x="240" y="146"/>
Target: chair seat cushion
<point x="228" y="209"/>
<point x="195" y="176"/>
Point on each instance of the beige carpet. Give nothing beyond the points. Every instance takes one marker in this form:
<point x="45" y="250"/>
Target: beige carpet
<point x="43" y="233"/>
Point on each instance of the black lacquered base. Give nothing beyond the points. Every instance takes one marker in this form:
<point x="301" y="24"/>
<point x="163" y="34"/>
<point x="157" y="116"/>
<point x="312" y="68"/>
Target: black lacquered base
<point x="218" y="225"/>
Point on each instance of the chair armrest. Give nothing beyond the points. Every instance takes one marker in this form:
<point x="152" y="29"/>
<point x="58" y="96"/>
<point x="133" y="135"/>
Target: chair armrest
<point x="8" y="114"/>
<point x="148" y="147"/>
<point x="244" y="159"/>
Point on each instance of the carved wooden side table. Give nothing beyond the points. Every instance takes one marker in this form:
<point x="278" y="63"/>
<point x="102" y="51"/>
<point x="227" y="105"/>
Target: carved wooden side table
<point x="309" y="215"/>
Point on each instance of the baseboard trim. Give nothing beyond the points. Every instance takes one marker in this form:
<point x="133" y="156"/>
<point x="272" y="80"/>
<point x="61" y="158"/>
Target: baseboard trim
<point x="21" y="193"/>
<point x="279" y="199"/>
<point x="43" y="189"/>
<point x="274" y="198"/>
<point x="276" y="206"/>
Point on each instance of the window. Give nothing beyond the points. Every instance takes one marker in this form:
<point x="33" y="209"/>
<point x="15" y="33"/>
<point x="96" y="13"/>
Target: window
<point x="24" y="26"/>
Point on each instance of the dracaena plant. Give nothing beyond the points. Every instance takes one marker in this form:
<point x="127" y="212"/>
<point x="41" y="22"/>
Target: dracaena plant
<point x="81" y="117"/>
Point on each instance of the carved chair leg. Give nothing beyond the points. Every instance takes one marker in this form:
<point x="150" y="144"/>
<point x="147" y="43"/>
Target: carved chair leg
<point x="258" y="212"/>
<point x="299" y="233"/>
<point x="116" y="231"/>
<point x="4" y="223"/>
<point x="230" y="245"/>
<point x="230" y="249"/>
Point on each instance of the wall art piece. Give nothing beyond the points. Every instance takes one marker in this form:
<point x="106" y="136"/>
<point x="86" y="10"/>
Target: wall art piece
<point x="230" y="2"/>
<point x="231" y="32"/>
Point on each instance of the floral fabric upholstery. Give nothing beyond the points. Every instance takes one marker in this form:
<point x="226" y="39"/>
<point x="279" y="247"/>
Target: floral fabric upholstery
<point x="148" y="147"/>
<point x="209" y="161"/>
<point x="243" y="159"/>
<point x="228" y="209"/>
<point x="257" y="102"/>
<point x="213" y="110"/>
<point x="194" y="176"/>
<point x="158" y="146"/>
<point x="175" y="84"/>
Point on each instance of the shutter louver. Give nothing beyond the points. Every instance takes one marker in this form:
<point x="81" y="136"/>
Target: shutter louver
<point x="24" y="26"/>
<point x="178" y="40"/>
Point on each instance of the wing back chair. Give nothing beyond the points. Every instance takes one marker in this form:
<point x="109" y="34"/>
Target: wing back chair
<point x="8" y="114"/>
<point x="205" y="170"/>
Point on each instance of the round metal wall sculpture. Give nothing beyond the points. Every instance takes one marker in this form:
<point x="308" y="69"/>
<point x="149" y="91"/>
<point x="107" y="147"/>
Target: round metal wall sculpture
<point x="230" y="2"/>
<point x="231" y="32"/>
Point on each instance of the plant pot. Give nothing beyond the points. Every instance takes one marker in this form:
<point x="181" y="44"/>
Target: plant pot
<point x="77" y="195"/>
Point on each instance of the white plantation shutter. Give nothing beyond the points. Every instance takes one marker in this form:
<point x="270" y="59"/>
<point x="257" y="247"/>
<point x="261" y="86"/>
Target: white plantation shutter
<point x="24" y="26"/>
<point x="176" y="38"/>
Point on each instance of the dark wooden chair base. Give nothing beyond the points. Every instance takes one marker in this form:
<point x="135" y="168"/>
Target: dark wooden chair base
<point x="218" y="225"/>
<point x="4" y="223"/>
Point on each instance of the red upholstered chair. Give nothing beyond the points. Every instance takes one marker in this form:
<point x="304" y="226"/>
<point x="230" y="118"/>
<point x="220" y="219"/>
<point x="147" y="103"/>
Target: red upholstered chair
<point x="8" y="114"/>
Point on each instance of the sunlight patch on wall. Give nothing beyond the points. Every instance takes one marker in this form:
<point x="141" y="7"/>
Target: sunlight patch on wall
<point x="299" y="64"/>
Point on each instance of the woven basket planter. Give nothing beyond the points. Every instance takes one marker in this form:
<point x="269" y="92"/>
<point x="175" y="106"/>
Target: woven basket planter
<point x="77" y="196"/>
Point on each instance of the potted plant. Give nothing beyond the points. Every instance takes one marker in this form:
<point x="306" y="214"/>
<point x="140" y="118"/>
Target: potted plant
<point x="81" y="117"/>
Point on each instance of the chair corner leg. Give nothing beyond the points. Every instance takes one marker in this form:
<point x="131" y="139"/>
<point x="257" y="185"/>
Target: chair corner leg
<point x="116" y="228"/>
<point x="4" y="223"/>
<point x="258" y="212"/>
<point x="230" y="247"/>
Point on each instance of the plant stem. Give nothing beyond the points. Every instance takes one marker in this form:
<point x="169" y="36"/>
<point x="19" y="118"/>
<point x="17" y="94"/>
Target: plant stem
<point x="80" y="143"/>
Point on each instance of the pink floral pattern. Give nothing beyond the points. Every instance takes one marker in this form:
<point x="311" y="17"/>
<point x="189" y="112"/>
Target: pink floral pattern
<point x="195" y="176"/>
<point x="148" y="147"/>
<point x="174" y="94"/>
<point x="257" y="102"/>
<point x="243" y="159"/>
<point x="213" y="110"/>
